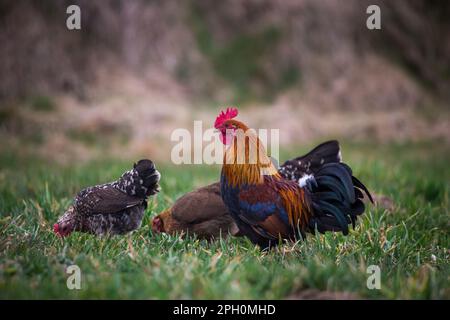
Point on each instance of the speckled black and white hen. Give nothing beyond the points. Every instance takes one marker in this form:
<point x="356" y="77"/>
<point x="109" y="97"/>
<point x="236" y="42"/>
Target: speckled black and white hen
<point x="112" y="208"/>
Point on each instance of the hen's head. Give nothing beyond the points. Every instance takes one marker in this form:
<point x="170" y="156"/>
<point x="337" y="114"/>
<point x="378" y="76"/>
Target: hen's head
<point x="222" y="124"/>
<point x="157" y="225"/>
<point x="66" y="223"/>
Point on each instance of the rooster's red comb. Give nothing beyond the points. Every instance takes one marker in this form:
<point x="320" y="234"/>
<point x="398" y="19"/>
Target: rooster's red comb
<point x="228" y="114"/>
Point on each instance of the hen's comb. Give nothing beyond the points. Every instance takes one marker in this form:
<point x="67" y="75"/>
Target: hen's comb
<point x="228" y="114"/>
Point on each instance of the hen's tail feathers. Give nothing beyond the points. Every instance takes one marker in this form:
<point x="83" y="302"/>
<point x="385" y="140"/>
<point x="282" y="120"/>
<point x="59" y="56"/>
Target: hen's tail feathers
<point x="147" y="183"/>
<point x="141" y="181"/>
<point x="336" y="198"/>
<point x="327" y="152"/>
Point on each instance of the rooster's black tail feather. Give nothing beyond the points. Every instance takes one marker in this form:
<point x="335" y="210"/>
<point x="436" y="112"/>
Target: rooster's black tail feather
<point x="336" y="198"/>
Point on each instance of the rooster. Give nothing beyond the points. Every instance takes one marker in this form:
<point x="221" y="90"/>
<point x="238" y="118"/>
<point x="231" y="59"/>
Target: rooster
<point x="203" y="213"/>
<point x="112" y="208"/>
<point x="268" y="207"/>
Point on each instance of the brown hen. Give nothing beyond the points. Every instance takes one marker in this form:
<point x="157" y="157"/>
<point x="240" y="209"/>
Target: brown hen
<point x="201" y="212"/>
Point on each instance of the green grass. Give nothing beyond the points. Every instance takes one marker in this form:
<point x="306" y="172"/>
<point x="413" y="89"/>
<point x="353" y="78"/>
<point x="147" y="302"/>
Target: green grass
<point x="410" y="243"/>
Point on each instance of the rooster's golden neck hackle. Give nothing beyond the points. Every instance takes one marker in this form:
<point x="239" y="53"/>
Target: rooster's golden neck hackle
<point x="246" y="160"/>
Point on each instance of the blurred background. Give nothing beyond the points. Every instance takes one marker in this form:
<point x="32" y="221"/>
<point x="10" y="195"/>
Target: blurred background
<point x="139" y="69"/>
